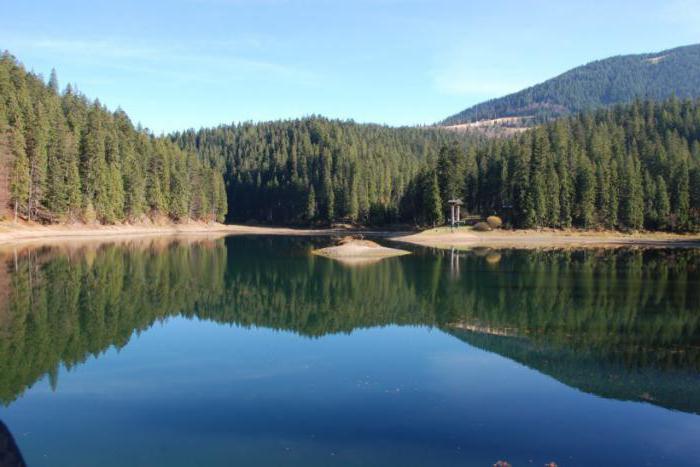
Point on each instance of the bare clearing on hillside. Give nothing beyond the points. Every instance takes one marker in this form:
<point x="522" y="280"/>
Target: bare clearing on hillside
<point x="497" y="127"/>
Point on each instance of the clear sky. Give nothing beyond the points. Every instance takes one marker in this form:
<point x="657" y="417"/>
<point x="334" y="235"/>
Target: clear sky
<point x="174" y="64"/>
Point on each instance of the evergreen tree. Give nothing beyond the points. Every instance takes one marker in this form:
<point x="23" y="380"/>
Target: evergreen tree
<point x="586" y="189"/>
<point x="432" y="200"/>
<point x="662" y="203"/>
<point x="632" y="210"/>
<point x="311" y="204"/>
<point x="681" y="198"/>
<point x="20" y="180"/>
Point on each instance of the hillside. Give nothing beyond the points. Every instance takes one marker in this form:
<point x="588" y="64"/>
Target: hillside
<point x="317" y="170"/>
<point x="629" y="167"/>
<point x="65" y="158"/>
<point x="621" y="79"/>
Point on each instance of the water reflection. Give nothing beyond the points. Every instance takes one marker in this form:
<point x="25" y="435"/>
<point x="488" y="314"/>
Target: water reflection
<point x="621" y="324"/>
<point x="10" y="456"/>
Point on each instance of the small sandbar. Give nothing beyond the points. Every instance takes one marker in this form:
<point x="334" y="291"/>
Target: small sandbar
<point x="355" y="252"/>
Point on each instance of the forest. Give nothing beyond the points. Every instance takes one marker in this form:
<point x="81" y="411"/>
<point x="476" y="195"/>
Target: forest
<point x="628" y="167"/>
<point x="615" y="80"/>
<point x="316" y="170"/>
<point x="66" y="158"/>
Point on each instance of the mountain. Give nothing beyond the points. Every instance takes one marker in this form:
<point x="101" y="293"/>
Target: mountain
<point x="65" y="158"/>
<point x="615" y="80"/>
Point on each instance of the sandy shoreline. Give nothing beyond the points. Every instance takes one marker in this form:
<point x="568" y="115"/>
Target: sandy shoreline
<point x="465" y="238"/>
<point x="462" y="238"/>
<point x="10" y="233"/>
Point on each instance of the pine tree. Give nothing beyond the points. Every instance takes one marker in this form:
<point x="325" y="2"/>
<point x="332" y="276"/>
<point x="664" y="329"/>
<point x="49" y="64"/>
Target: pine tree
<point x="662" y="203"/>
<point x="57" y="190"/>
<point x="538" y="176"/>
<point x="36" y="144"/>
<point x="20" y="180"/>
<point x="328" y="191"/>
<point x="222" y="199"/>
<point x="632" y="210"/>
<point x="432" y="200"/>
<point x="353" y="202"/>
<point x="311" y="204"/>
<point x="525" y="215"/>
<point x="651" y="216"/>
<point x="681" y="198"/>
<point x="53" y="81"/>
<point x="450" y="172"/>
<point x="566" y="192"/>
<point x="586" y="190"/>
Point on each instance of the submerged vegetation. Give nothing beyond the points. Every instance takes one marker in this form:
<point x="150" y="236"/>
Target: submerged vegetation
<point x="629" y="319"/>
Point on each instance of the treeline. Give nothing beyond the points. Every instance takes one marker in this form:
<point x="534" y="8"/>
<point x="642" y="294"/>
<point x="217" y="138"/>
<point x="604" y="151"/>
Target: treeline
<point x="615" y="80"/>
<point x="65" y="158"/>
<point x="629" y="167"/>
<point x="316" y="170"/>
<point x="72" y="159"/>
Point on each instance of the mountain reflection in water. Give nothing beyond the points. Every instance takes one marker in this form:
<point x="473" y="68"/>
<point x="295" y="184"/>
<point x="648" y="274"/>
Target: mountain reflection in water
<point x="622" y="324"/>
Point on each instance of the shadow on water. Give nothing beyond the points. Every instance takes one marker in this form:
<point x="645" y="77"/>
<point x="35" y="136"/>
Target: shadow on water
<point x="10" y="456"/>
<point x="621" y="324"/>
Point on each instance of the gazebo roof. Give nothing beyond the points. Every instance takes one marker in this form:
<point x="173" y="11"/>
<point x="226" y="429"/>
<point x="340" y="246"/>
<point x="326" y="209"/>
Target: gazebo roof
<point x="455" y="201"/>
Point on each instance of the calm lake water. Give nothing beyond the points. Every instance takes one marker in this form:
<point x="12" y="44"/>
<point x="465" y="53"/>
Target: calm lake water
<point x="250" y="351"/>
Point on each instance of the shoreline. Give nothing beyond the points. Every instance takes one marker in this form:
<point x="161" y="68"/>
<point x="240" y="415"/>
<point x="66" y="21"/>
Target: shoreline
<point x="465" y="238"/>
<point x="23" y="233"/>
<point x="461" y="238"/>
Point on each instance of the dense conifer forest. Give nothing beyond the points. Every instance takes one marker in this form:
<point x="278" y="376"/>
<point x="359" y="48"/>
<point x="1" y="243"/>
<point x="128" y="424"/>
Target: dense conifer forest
<point x="65" y="158"/>
<point x="317" y="170"/>
<point x="629" y="167"/>
<point x="614" y="80"/>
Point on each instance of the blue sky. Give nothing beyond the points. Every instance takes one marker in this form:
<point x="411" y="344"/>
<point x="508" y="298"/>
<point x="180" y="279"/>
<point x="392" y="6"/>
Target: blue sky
<point x="189" y="63"/>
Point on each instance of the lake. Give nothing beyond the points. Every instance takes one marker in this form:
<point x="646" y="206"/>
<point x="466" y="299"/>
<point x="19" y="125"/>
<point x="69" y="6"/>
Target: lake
<point x="252" y="351"/>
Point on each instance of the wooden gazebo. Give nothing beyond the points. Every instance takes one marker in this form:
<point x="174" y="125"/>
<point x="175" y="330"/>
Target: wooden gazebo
<point x="455" y="205"/>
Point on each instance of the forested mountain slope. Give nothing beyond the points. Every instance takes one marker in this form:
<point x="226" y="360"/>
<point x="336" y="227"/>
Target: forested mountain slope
<point x="625" y="167"/>
<point x="621" y="79"/>
<point x="72" y="159"/>
<point x="317" y="170"/>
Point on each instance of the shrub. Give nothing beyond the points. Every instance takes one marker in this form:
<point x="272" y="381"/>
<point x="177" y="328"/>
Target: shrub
<point x="482" y="227"/>
<point x="494" y="222"/>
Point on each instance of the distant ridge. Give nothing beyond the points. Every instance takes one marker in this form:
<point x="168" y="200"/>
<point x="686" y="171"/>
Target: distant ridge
<point x="614" y="80"/>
